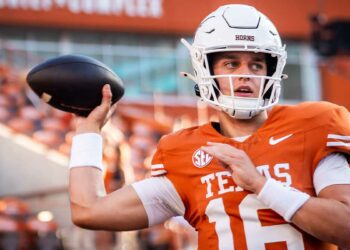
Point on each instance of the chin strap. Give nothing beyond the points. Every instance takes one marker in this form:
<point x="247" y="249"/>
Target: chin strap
<point x="240" y="106"/>
<point x="242" y="114"/>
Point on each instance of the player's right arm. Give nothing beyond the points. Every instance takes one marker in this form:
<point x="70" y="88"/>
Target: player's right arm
<point x="90" y="206"/>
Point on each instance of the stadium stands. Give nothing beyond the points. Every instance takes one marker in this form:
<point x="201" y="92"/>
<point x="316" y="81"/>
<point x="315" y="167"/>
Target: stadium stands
<point x="130" y="141"/>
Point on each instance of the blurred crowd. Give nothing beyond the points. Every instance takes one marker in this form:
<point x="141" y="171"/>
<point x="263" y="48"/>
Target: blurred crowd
<point x="129" y="144"/>
<point x="22" y="229"/>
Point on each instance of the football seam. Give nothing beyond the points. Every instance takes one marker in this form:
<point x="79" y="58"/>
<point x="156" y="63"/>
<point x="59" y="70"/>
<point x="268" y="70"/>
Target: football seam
<point x="75" y="107"/>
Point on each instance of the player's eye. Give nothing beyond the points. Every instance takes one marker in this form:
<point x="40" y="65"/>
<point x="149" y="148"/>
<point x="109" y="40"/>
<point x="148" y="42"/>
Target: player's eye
<point x="231" y="64"/>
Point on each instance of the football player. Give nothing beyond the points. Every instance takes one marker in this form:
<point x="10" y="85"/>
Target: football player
<point x="264" y="177"/>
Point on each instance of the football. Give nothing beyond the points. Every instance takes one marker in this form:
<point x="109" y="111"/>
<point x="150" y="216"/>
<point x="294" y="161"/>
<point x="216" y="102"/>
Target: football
<point x="73" y="83"/>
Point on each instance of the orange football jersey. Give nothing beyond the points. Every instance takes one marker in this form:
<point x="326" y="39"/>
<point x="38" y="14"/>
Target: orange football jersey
<point x="287" y="147"/>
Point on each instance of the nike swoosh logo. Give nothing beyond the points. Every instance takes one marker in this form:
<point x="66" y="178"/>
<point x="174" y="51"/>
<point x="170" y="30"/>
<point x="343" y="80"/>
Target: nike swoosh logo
<point x="274" y="141"/>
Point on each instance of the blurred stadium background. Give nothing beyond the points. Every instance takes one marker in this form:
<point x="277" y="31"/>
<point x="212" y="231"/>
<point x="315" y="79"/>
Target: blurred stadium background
<point x="139" y="40"/>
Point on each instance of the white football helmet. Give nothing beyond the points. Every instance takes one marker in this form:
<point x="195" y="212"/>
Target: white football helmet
<point x="237" y="27"/>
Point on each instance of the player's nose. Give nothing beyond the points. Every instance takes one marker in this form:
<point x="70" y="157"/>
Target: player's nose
<point x="244" y="71"/>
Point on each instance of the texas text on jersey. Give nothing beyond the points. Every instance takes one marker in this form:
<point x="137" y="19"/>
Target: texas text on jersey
<point x="287" y="147"/>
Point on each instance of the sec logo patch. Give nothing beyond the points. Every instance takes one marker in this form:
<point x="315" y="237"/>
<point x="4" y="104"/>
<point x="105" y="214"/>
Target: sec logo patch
<point x="201" y="159"/>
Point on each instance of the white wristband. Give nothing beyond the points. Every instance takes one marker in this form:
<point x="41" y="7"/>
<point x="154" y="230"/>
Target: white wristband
<point x="283" y="200"/>
<point x="86" y="151"/>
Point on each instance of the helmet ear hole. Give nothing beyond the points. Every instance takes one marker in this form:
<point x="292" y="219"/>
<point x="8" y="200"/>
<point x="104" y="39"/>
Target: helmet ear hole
<point x="198" y="55"/>
<point x="196" y="90"/>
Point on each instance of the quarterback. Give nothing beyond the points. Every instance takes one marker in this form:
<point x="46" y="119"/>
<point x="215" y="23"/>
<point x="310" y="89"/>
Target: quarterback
<point x="265" y="176"/>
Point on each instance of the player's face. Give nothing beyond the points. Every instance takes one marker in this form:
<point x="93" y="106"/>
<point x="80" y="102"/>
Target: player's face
<point x="240" y="63"/>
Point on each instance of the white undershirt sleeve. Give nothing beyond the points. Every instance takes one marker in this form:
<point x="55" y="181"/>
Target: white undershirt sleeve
<point x="333" y="169"/>
<point x="159" y="198"/>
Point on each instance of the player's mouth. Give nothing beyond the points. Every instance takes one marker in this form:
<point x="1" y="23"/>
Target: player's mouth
<point x="244" y="91"/>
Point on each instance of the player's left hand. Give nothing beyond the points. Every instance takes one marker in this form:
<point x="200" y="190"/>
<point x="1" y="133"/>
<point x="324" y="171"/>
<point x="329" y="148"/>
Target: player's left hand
<point x="244" y="173"/>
